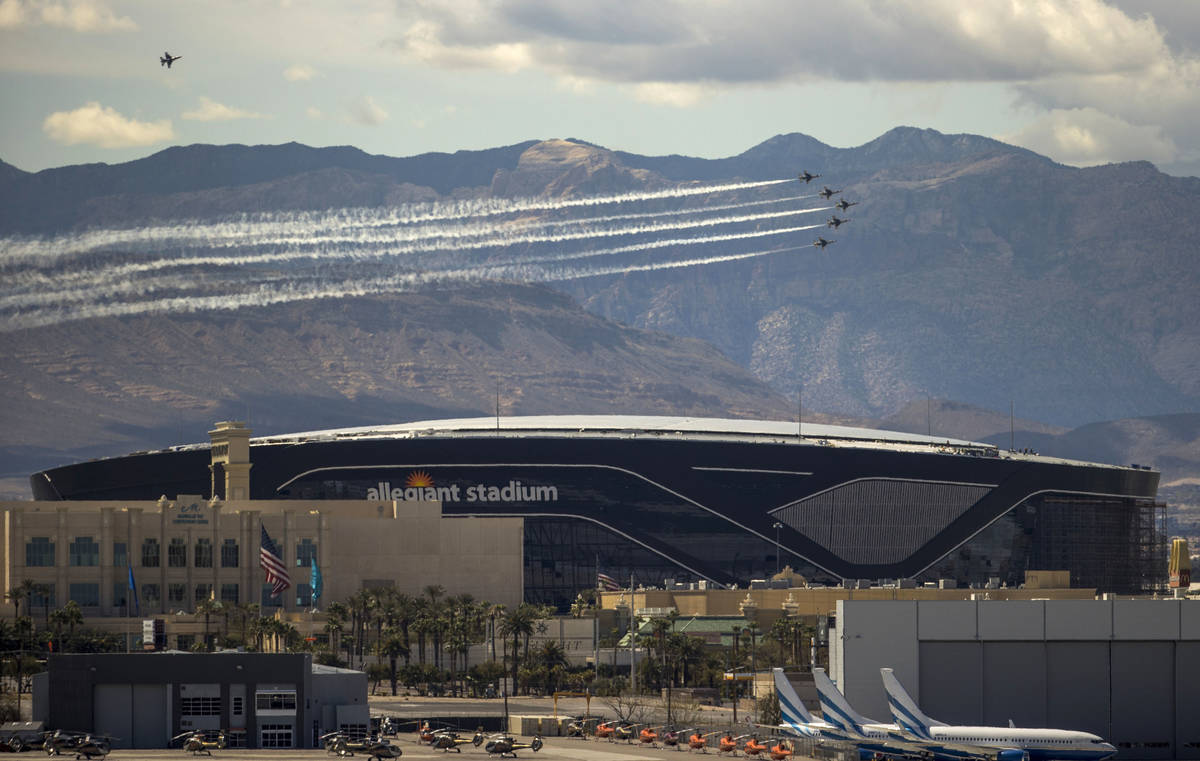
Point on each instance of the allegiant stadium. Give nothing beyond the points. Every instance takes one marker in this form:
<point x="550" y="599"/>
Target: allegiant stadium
<point x="719" y="501"/>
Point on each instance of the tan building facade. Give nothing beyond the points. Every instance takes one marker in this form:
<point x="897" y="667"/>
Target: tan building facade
<point x="185" y="550"/>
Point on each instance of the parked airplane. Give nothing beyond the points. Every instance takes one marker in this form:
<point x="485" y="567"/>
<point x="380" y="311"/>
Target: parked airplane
<point x="869" y="736"/>
<point x="167" y="59"/>
<point x="807" y="177"/>
<point x="826" y="193"/>
<point x="1006" y="742"/>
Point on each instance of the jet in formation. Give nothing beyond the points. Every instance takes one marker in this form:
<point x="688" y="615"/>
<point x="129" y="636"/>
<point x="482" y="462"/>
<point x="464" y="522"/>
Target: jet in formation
<point x="167" y="59"/>
<point x="807" y="177"/>
<point x="843" y="204"/>
<point x="835" y="222"/>
<point x="826" y="193"/>
<point x="915" y="735"/>
<point x="821" y="243"/>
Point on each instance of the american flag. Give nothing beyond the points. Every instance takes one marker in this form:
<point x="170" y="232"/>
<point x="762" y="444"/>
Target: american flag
<point x="606" y="582"/>
<point x="272" y="562"/>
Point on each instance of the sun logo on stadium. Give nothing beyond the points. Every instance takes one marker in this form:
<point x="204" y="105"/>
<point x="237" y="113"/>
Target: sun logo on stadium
<point x="418" y="479"/>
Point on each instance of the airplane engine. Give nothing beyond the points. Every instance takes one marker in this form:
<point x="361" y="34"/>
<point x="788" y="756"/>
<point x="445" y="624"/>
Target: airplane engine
<point x="1012" y="755"/>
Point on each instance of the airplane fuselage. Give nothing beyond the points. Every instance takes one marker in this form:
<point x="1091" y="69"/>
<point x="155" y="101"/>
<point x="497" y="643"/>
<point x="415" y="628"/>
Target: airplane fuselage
<point x="1040" y="744"/>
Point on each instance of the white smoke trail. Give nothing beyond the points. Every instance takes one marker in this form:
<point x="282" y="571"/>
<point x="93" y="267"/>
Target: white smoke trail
<point x="363" y="250"/>
<point x="125" y="286"/>
<point x="267" y="294"/>
<point x="24" y="249"/>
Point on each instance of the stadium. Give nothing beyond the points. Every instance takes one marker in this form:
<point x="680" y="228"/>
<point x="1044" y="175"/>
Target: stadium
<point x="717" y="501"/>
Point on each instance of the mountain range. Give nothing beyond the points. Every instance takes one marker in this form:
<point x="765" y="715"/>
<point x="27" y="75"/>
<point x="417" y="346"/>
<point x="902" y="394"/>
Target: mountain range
<point x="971" y="271"/>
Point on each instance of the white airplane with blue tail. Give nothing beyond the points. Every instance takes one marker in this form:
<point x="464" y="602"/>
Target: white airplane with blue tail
<point x="1009" y="743"/>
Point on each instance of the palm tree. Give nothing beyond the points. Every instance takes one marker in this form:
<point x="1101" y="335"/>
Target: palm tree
<point x="208" y="607"/>
<point x="22" y="591"/>
<point x="392" y="647"/>
<point x="518" y="623"/>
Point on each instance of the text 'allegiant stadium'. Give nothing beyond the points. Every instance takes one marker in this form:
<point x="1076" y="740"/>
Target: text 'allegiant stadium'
<point x="514" y="491"/>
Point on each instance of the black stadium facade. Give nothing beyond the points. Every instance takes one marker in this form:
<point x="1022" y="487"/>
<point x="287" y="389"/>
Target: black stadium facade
<point x="705" y="499"/>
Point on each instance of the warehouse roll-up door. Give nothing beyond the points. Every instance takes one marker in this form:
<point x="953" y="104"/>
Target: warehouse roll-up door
<point x="950" y="681"/>
<point x="1143" y="699"/>
<point x="1014" y="684"/>
<point x="150" y="705"/>
<point x="112" y="713"/>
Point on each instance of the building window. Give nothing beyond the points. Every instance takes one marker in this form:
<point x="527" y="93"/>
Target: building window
<point x="229" y="593"/>
<point x="229" y="554"/>
<point x="303" y="595"/>
<point x="203" y="592"/>
<point x="120" y="590"/>
<point x="200" y="706"/>
<point x="42" y="597"/>
<point x="237" y="705"/>
<point x="185" y="641"/>
<point x="120" y="555"/>
<point x="150" y="553"/>
<point x="151" y="594"/>
<point x="39" y="552"/>
<point x="204" y="554"/>
<point x="86" y="595"/>
<point x="275" y="735"/>
<point x="176" y="594"/>
<point x="177" y="553"/>
<point x="268" y="601"/>
<point x="306" y="553"/>
<point x="83" y="552"/>
<point x="275" y="700"/>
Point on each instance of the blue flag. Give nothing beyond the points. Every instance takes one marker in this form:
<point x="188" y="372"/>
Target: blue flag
<point x="315" y="582"/>
<point x="137" y="606"/>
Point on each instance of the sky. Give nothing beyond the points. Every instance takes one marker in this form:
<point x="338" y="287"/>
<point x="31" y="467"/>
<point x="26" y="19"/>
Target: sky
<point x="1084" y="82"/>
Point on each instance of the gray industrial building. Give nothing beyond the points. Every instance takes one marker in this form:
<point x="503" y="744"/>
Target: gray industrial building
<point x="1127" y="670"/>
<point x="143" y="700"/>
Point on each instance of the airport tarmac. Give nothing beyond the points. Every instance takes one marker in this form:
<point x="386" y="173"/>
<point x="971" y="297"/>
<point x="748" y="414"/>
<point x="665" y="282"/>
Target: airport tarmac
<point x="556" y="749"/>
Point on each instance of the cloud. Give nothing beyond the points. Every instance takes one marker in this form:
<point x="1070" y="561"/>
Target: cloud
<point x="1086" y="137"/>
<point x="312" y="112"/>
<point x="299" y="72"/>
<point x="680" y="95"/>
<point x="76" y="15"/>
<point x="104" y="126"/>
<point x="212" y="111"/>
<point x="366" y="111"/>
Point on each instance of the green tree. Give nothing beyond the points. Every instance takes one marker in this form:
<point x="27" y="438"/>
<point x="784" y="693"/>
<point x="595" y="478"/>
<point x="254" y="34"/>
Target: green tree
<point x="392" y="647"/>
<point x="207" y="608"/>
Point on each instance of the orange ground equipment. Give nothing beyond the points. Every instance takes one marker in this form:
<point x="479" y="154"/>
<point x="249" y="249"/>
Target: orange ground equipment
<point x="728" y="744"/>
<point x="648" y="736"/>
<point x="753" y="747"/>
<point x="781" y="750"/>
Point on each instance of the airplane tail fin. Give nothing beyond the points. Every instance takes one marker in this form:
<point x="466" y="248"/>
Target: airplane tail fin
<point x="904" y="708"/>
<point x="834" y="706"/>
<point x="792" y="712"/>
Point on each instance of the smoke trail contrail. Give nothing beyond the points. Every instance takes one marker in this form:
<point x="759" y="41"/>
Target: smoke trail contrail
<point x="140" y="287"/>
<point x="22" y="249"/>
<point x="267" y="294"/>
<point x="295" y="254"/>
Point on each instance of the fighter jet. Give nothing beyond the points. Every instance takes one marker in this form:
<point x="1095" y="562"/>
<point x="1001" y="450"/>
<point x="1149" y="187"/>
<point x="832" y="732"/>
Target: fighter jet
<point x="821" y="243"/>
<point x="835" y="222"/>
<point x="807" y="177"/>
<point x="168" y="59"/>
<point x="826" y="193"/>
<point x="844" y="204"/>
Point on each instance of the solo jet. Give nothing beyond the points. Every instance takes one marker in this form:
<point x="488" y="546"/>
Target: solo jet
<point x="826" y="193"/>
<point x="807" y="177"/>
<point x="821" y="243"/>
<point x="843" y="204"/>
<point x="835" y="222"/>
<point x="167" y="59"/>
<point x="1003" y="743"/>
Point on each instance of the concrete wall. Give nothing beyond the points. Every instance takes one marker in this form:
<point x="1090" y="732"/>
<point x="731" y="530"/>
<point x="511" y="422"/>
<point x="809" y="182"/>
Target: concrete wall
<point x="1127" y="670"/>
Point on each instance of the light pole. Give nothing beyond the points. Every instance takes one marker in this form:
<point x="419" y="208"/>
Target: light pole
<point x="778" y="552"/>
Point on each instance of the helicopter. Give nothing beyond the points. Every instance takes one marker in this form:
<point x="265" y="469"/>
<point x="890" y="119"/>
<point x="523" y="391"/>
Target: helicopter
<point x="201" y="741"/>
<point x="506" y="745"/>
<point x="446" y="740"/>
<point x="90" y="746"/>
<point x="371" y="747"/>
<point x="56" y="743"/>
<point x="697" y="741"/>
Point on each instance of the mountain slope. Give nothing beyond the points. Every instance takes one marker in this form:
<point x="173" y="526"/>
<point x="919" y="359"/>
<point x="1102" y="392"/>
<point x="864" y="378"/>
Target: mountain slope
<point x="108" y="386"/>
